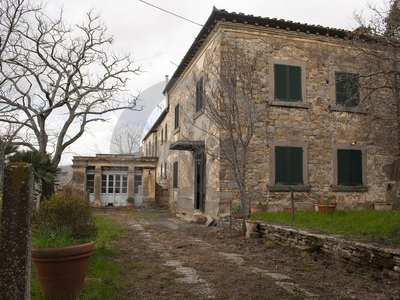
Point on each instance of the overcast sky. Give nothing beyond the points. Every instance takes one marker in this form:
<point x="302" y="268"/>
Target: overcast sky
<point x="158" y="40"/>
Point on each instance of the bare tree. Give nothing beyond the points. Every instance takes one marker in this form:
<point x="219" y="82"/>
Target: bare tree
<point x="228" y="93"/>
<point x="374" y="48"/>
<point x="56" y="78"/>
<point x="127" y="137"/>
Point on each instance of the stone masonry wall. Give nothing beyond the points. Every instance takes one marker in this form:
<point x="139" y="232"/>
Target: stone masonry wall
<point x="367" y="255"/>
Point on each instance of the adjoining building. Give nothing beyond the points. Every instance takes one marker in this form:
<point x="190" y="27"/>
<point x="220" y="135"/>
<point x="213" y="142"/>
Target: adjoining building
<point x="110" y="179"/>
<point x="318" y="139"/>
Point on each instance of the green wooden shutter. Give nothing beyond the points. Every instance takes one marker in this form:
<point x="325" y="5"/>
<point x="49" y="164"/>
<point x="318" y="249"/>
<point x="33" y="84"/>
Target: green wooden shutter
<point x="294" y="83"/>
<point x="349" y="167"/>
<point x="199" y="94"/>
<point x="281" y="166"/>
<point x="281" y="92"/>
<point x="356" y="167"/>
<point x="176" y="116"/>
<point x="287" y="83"/>
<point x="296" y="166"/>
<point x="175" y="175"/>
<point x="288" y="165"/>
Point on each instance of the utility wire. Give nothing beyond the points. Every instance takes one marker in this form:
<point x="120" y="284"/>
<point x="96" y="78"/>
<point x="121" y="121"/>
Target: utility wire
<point x="171" y="13"/>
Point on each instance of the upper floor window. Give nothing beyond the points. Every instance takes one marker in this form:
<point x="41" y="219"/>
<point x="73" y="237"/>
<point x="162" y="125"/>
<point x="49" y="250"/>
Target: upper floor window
<point x="287" y="82"/>
<point x="162" y="136"/>
<point x="176" y="120"/>
<point x="347" y="89"/>
<point x="199" y="94"/>
<point x="155" y="145"/>
<point x="166" y="132"/>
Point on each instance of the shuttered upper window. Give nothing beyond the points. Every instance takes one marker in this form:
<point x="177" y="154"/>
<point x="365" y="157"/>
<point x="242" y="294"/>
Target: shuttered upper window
<point x="199" y="94"/>
<point x="287" y="83"/>
<point x="176" y="120"/>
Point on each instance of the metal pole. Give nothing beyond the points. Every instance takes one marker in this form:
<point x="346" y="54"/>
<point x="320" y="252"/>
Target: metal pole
<point x="292" y="198"/>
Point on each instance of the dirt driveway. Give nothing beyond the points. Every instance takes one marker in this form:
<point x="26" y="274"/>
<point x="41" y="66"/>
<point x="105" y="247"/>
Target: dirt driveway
<point x="167" y="258"/>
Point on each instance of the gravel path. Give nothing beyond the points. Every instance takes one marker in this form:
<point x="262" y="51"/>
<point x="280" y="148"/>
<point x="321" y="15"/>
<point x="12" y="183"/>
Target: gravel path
<point x="167" y="258"/>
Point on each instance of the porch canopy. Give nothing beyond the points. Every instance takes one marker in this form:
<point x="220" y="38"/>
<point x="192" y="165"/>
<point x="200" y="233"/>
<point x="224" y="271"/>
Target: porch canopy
<point x="187" y="145"/>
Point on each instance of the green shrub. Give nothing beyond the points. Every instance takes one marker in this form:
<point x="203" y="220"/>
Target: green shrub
<point x="47" y="237"/>
<point x="65" y="209"/>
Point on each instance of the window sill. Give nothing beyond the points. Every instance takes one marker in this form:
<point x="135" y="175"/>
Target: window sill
<point x="357" y="109"/>
<point x="198" y="114"/>
<point x="343" y="188"/>
<point x="289" y="188"/>
<point x="289" y="104"/>
<point x="176" y="130"/>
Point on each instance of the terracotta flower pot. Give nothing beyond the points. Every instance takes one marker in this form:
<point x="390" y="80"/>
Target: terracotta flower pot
<point x="61" y="271"/>
<point x="289" y="209"/>
<point x="256" y="209"/>
<point x="325" y="208"/>
<point x="251" y="226"/>
<point x="383" y="206"/>
<point x="237" y="215"/>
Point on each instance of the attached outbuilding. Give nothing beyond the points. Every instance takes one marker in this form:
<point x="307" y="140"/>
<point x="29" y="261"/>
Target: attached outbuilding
<point x="110" y="179"/>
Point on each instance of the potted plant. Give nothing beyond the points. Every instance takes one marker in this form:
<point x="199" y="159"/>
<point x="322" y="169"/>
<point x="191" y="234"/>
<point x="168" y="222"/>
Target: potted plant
<point x="130" y="201"/>
<point x="251" y="226"/>
<point x="382" y="205"/>
<point x="258" y="208"/>
<point x="62" y="244"/>
<point x="328" y="205"/>
<point x="236" y="212"/>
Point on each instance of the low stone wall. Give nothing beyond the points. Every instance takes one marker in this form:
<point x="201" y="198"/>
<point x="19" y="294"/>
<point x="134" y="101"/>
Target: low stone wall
<point x="369" y="255"/>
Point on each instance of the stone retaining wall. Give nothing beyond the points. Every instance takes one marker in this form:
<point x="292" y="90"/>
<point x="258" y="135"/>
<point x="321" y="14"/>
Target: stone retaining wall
<point x="369" y="255"/>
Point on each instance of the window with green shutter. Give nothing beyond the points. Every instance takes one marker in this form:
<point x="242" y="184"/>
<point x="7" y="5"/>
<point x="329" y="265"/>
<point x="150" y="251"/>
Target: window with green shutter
<point x="349" y="164"/>
<point x="176" y="123"/>
<point x="199" y="94"/>
<point x="347" y="89"/>
<point x="287" y="83"/>
<point x="175" y="175"/>
<point x="288" y="165"/>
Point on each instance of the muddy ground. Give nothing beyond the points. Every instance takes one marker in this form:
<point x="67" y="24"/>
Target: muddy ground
<point x="167" y="258"/>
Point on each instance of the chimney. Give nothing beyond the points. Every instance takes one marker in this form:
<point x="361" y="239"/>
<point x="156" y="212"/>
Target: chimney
<point x="166" y="94"/>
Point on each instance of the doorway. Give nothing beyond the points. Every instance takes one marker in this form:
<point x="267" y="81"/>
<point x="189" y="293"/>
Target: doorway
<point x="199" y="181"/>
<point x="114" y="186"/>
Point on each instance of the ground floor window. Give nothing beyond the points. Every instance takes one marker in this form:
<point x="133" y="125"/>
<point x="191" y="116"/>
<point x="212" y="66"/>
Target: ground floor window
<point x="288" y="163"/>
<point x="137" y="180"/>
<point x="90" y="179"/>
<point x="349" y="165"/>
<point x="175" y="175"/>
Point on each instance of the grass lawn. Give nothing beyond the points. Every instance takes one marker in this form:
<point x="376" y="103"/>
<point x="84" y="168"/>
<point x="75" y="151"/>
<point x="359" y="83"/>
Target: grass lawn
<point x="365" y="225"/>
<point x="101" y="266"/>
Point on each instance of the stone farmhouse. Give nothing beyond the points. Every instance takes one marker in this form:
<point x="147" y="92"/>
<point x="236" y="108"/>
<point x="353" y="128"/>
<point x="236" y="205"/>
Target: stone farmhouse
<point x="319" y="137"/>
<point x="317" y="134"/>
